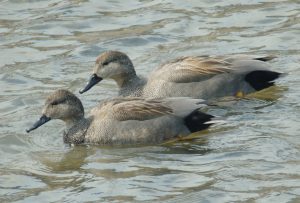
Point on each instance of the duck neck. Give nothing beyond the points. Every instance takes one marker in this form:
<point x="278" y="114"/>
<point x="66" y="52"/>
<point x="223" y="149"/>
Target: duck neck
<point x="76" y="130"/>
<point x="128" y="84"/>
<point x="71" y="122"/>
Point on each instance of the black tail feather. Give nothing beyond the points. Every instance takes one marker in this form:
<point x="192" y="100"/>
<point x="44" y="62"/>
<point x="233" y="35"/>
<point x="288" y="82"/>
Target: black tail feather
<point x="197" y="121"/>
<point x="261" y="79"/>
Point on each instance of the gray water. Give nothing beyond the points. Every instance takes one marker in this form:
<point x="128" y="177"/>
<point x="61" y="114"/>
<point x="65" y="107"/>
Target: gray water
<point x="45" y="45"/>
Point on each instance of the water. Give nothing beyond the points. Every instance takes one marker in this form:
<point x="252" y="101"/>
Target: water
<point x="46" y="45"/>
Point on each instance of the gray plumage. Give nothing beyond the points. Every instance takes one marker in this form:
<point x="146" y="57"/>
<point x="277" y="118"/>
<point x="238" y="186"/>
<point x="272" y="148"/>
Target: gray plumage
<point x="125" y="120"/>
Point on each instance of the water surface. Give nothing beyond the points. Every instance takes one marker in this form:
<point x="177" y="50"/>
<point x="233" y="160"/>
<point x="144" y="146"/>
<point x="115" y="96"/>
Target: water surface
<point x="46" y="45"/>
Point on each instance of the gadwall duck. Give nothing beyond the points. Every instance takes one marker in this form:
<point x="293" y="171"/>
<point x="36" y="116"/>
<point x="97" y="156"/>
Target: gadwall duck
<point x="202" y="77"/>
<point x="124" y="120"/>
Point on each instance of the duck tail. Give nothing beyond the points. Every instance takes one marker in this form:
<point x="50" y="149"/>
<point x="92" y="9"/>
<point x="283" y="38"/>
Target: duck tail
<point x="198" y="120"/>
<point x="261" y="79"/>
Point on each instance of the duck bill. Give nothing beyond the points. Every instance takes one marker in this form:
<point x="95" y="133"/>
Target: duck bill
<point x="94" y="79"/>
<point x="44" y="119"/>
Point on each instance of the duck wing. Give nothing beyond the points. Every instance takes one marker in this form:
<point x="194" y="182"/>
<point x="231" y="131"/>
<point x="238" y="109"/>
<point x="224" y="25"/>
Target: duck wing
<point x="200" y="68"/>
<point x="140" y="110"/>
<point x="127" y="108"/>
<point x="190" y="69"/>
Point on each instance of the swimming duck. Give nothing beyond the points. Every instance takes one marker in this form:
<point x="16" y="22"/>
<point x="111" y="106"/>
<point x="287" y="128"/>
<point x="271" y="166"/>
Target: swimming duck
<point x="124" y="120"/>
<point x="202" y="77"/>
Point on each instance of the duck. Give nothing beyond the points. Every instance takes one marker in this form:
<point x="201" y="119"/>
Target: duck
<point x="124" y="120"/>
<point x="203" y="77"/>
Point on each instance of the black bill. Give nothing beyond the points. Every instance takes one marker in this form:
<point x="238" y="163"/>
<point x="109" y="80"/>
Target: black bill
<point x="44" y="119"/>
<point x="94" y="79"/>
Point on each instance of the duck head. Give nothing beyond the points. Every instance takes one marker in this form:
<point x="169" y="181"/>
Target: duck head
<point x="62" y="105"/>
<point x="111" y="65"/>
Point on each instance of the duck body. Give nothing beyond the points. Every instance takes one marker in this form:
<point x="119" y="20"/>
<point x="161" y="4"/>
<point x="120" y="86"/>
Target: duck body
<point x="208" y="78"/>
<point x="124" y="121"/>
<point x="202" y="77"/>
<point x="131" y="132"/>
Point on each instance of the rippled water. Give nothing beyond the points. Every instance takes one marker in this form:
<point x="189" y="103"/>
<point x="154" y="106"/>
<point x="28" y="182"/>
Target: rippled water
<point x="45" y="45"/>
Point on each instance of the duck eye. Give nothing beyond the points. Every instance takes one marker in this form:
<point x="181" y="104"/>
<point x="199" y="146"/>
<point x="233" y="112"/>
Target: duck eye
<point x="105" y="63"/>
<point x="56" y="102"/>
